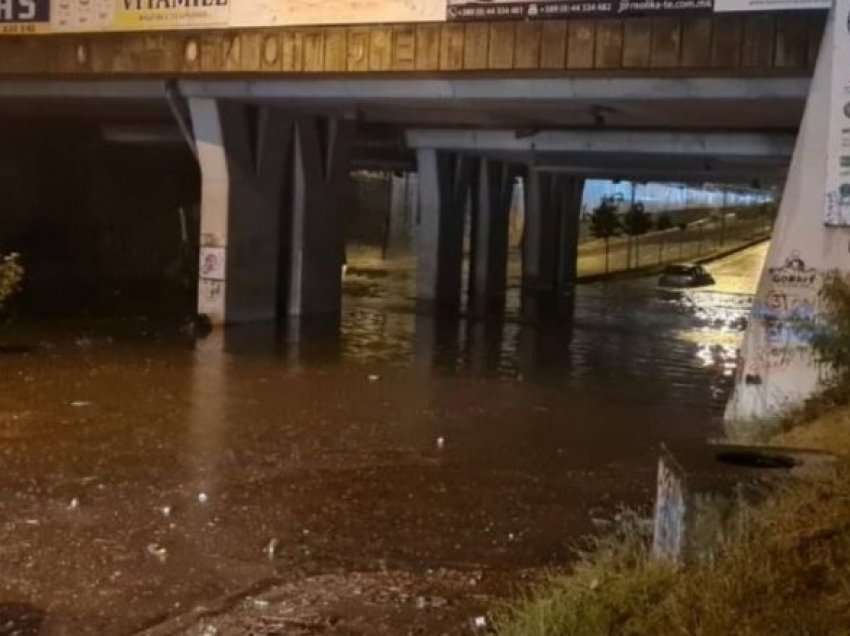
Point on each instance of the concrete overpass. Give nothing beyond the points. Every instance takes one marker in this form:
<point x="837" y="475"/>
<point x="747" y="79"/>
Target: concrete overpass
<point x="278" y="116"/>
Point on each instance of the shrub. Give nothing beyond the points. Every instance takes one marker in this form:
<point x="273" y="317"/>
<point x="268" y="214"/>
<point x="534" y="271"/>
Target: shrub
<point x="604" y="222"/>
<point x="830" y="335"/>
<point x="11" y="276"/>
<point x="637" y="221"/>
<point x="664" y="222"/>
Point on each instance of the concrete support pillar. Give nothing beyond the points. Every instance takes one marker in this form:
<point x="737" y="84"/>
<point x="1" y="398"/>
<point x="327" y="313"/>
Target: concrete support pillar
<point x="539" y="248"/>
<point x="778" y="369"/>
<point x="493" y="193"/>
<point x="313" y="225"/>
<point x="444" y="181"/>
<point x="242" y="152"/>
<point x="271" y="230"/>
<point x="573" y="192"/>
<point x="404" y="210"/>
<point x="550" y="242"/>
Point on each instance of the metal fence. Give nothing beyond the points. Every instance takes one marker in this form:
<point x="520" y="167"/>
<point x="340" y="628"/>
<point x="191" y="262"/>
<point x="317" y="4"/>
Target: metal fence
<point x="695" y="241"/>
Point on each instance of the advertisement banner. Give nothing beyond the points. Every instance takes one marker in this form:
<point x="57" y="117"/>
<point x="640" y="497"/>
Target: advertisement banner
<point x="142" y="15"/>
<point x="532" y="10"/>
<point x="838" y="145"/>
<point x="91" y="16"/>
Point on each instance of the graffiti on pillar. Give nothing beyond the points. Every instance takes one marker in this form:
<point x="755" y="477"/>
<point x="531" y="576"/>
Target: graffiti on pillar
<point x="213" y="261"/>
<point x="793" y="273"/>
<point x="783" y="314"/>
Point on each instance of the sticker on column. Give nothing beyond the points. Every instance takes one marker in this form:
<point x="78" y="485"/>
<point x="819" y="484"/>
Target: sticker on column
<point x="211" y="287"/>
<point x="211" y="299"/>
<point x="213" y="263"/>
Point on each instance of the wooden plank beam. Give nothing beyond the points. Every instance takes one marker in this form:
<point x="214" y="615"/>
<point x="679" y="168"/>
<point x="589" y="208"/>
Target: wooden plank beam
<point x="726" y="44"/>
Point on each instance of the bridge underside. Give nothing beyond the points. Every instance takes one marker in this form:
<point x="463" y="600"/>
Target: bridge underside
<point x="274" y="149"/>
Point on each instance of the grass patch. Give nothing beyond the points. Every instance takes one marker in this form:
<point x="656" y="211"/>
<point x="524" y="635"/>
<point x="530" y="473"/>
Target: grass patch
<point x="612" y="584"/>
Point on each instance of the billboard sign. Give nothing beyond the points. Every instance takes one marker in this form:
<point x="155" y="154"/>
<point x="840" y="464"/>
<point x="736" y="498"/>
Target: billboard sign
<point x="92" y="16"/>
<point x="24" y="16"/>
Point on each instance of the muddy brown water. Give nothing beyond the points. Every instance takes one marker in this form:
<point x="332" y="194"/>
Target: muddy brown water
<point x="396" y="478"/>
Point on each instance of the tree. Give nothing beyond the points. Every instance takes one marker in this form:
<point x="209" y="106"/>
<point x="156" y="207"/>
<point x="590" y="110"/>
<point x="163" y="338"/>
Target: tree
<point x="604" y="224"/>
<point x="637" y="222"/>
<point x="11" y="275"/>
<point x="664" y="222"/>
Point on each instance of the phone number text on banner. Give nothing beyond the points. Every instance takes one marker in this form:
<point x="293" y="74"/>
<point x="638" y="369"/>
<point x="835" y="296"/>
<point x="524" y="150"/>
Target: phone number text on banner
<point x="476" y="10"/>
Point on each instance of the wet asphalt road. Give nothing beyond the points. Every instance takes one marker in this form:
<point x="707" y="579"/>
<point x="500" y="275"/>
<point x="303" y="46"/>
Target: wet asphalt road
<point x="394" y="479"/>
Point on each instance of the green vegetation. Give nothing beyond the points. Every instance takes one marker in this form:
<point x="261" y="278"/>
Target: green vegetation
<point x="11" y="277"/>
<point x="830" y="335"/>
<point x="782" y="569"/>
<point x="664" y="222"/>
<point x="636" y="222"/>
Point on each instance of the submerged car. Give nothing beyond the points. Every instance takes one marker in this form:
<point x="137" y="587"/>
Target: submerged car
<point x="685" y="275"/>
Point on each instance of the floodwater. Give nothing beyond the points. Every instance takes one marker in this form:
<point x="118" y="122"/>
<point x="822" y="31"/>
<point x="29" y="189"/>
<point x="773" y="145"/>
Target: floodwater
<point x="395" y="479"/>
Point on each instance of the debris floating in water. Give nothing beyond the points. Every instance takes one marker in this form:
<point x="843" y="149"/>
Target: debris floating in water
<point x="202" y="497"/>
<point x="479" y="622"/>
<point x="441" y="442"/>
<point x="271" y="548"/>
<point x="157" y="551"/>
<point x="374" y="377"/>
<point x="166" y="511"/>
<point x="80" y="404"/>
<point x="74" y="504"/>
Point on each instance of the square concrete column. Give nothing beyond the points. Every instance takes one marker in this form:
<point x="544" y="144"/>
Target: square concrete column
<point x="539" y="245"/>
<point x="404" y="210"/>
<point x="242" y="152"/>
<point x="492" y="197"/>
<point x="313" y="229"/>
<point x="444" y="181"/>
<point x="573" y="194"/>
